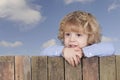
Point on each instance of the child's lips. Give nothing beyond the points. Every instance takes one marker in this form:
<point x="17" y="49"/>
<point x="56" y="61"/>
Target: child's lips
<point x="76" y="47"/>
<point x="73" y="46"/>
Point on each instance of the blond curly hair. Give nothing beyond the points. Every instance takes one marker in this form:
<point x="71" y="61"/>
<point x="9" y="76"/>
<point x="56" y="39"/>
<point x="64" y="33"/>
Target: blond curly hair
<point x="80" y="21"/>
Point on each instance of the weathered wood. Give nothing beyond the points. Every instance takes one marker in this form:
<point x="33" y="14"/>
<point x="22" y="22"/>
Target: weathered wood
<point x="107" y="68"/>
<point x="118" y="67"/>
<point x="22" y="68"/>
<point x="90" y="68"/>
<point x="55" y="68"/>
<point x="73" y="73"/>
<point x="6" y="58"/>
<point x="39" y="68"/>
<point x="6" y="68"/>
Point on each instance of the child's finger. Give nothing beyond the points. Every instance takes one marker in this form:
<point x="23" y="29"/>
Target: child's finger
<point x="70" y="61"/>
<point x="73" y="62"/>
<point x="76" y="61"/>
<point x="79" y="55"/>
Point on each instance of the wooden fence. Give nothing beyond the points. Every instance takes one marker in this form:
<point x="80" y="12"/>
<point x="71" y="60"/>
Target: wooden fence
<point x="56" y="68"/>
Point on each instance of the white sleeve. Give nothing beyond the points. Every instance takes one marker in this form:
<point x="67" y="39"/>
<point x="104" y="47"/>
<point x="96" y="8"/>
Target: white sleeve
<point x="52" y="51"/>
<point x="99" y="49"/>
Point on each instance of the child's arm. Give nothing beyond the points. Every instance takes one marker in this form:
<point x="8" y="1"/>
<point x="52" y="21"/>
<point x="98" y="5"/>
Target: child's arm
<point x="99" y="49"/>
<point x="52" y="51"/>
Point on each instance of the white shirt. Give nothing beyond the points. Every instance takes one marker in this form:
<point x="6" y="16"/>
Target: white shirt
<point x="99" y="49"/>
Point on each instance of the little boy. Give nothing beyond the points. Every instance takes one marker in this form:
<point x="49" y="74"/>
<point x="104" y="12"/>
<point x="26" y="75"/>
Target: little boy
<point x="80" y="34"/>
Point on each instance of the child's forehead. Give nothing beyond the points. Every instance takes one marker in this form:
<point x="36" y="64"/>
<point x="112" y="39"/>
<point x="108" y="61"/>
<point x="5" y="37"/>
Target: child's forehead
<point x="73" y="28"/>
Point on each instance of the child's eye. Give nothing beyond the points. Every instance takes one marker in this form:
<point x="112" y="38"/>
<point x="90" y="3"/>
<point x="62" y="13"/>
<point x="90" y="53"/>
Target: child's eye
<point x="67" y="34"/>
<point x="79" y="35"/>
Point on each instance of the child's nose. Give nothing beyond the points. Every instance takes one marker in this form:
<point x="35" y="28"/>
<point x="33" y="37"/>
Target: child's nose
<point x="72" y="38"/>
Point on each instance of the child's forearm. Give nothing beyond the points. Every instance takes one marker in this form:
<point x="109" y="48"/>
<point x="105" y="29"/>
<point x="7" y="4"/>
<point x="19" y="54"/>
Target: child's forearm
<point x="52" y="51"/>
<point x="99" y="49"/>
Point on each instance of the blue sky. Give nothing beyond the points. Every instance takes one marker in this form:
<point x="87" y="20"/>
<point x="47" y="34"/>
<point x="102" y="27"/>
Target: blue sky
<point x="27" y="26"/>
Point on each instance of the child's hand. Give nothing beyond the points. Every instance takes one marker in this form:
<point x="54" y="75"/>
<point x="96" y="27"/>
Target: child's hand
<point x="72" y="55"/>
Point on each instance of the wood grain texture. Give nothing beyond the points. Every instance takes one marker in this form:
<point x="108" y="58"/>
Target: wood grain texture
<point x="55" y="68"/>
<point x="7" y="58"/>
<point x="6" y="68"/>
<point x="39" y="68"/>
<point x="90" y="68"/>
<point x="73" y="73"/>
<point x="22" y="68"/>
<point x="118" y="67"/>
<point x="107" y="68"/>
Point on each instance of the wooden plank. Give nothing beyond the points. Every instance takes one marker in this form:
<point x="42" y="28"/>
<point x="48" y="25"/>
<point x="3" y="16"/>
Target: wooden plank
<point x="55" y="68"/>
<point x="39" y="67"/>
<point x="118" y="67"/>
<point x="6" y="68"/>
<point x="73" y="73"/>
<point x="22" y="68"/>
<point x="6" y="58"/>
<point x="90" y="68"/>
<point x="107" y="68"/>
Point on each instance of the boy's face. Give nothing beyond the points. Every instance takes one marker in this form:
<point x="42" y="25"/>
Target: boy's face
<point x="74" y="39"/>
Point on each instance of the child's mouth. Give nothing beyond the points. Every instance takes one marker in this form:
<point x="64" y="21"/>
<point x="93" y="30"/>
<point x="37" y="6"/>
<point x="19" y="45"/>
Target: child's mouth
<point x="72" y="46"/>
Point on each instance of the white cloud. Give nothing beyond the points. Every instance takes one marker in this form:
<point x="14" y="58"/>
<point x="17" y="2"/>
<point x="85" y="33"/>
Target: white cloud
<point x="49" y="43"/>
<point x="81" y="1"/>
<point x="19" y="11"/>
<point x="9" y="44"/>
<point x="107" y="39"/>
<point x="114" y="6"/>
